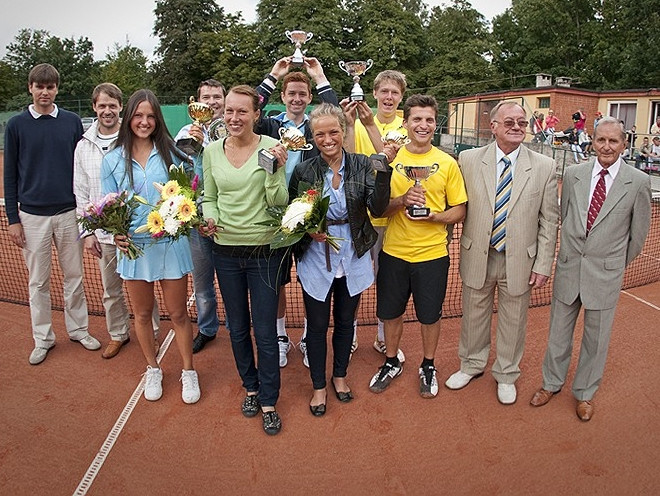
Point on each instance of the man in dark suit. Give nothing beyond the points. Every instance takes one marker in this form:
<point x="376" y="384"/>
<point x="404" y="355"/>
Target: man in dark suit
<point x="606" y="214"/>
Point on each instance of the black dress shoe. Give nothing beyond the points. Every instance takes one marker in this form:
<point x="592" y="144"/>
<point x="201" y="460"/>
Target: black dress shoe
<point x="317" y="410"/>
<point x="200" y="341"/>
<point x="343" y="396"/>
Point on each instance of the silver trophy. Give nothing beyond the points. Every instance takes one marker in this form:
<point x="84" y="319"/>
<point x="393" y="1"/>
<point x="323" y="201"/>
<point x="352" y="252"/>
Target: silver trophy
<point x="217" y="130"/>
<point x="298" y="38"/>
<point x="417" y="173"/>
<point x="355" y="69"/>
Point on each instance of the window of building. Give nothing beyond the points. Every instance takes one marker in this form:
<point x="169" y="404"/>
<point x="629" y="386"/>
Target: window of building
<point x="543" y="102"/>
<point x="624" y="111"/>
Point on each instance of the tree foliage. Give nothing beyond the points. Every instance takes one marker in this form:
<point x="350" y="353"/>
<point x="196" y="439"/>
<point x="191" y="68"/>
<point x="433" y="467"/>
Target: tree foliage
<point x="126" y="66"/>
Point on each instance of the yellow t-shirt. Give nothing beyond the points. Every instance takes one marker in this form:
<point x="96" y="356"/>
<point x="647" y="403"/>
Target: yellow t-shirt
<point x="421" y="241"/>
<point x="364" y="145"/>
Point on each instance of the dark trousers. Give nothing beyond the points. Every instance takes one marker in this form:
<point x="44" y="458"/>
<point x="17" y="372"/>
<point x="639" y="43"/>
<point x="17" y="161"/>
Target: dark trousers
<point x="318" y="320"/>
<point x="257" y="277"/>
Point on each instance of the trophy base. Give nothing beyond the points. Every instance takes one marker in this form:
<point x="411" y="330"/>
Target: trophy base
<point x="415" y="211"/>
<point x="357" y="98"/>
<point x="190" y="146"/>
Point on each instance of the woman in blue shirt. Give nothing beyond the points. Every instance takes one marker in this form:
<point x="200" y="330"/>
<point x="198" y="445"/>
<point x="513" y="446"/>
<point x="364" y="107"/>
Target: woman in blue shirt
<point x="341" y="275"/>
<point x="142" y="156"/>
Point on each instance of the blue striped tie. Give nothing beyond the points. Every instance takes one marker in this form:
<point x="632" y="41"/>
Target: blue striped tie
<point x="502" y="195"/>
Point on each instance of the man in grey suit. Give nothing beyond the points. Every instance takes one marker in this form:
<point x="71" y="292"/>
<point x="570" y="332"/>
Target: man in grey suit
<point x="603" y="229"/>
<point x="508" y="242"/>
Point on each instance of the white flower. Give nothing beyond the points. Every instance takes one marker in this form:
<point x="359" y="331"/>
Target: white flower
<point x="170" y="206"/>
<point x="171" y="226"/>
<point x="295" y="214"/>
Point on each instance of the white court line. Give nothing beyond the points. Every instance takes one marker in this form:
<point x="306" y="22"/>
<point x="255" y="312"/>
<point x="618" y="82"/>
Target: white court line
<point x="641" y="300"/>
<point x="109" y="442"/>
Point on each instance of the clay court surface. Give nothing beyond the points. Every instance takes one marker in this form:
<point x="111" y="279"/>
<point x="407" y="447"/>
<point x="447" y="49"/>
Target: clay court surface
<point x="55" y="418"/>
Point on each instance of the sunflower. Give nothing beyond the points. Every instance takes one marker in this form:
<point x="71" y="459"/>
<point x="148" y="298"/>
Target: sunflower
<point x="170" y="188"/>
<point x="154" y="222"/>
<point x="187" y="210"/>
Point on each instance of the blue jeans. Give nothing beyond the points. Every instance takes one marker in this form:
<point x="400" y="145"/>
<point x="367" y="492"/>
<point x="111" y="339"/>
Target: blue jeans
<point x="204" y="284"/>
<point x="256" y="276"/>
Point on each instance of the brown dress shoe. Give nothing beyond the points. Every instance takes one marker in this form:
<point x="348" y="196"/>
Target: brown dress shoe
<point x="541" y="397"/>
<point x="585" y="410"/>
<point x="113" y="348"/>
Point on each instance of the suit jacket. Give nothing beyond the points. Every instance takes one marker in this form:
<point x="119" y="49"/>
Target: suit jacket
<point x="532" y="217"/>
<point x="593" y="266"/>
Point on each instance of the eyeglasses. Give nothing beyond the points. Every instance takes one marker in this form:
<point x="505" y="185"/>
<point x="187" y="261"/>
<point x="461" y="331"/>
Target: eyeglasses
<point x="509" y="123"/>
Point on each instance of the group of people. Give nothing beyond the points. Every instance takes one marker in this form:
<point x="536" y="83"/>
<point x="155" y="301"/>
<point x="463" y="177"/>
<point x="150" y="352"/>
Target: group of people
<point x="392" y="232"/>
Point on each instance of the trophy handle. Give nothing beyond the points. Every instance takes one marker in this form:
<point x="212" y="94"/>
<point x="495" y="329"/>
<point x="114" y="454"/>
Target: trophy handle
<point x="370" y="62"/>
<point x="287" y="33"/>
<point x="399" y="168"/>
<point x="342" y="66"/>
<point x="308" y="146"/>
<point x="280" y="131"/>
<point x="309" y="37"/>
<point x="433" y="169"/>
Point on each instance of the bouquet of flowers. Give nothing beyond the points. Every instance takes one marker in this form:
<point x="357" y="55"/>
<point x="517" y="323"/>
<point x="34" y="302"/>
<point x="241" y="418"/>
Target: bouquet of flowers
<point x="112" y="214"/>
<point x="304" y="215"/>
<point x="176" y="212"/>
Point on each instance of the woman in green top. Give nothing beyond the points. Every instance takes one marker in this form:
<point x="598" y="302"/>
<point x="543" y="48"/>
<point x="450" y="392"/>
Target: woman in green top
<point x="236" y="194"/>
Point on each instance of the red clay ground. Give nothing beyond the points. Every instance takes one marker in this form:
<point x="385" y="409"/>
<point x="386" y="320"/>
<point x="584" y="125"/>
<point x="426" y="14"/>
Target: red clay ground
<point x="56" y="416"/>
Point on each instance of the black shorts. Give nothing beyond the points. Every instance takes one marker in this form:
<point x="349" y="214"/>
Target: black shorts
<point x="398" y="279"/>
<point x="285" y="268"/>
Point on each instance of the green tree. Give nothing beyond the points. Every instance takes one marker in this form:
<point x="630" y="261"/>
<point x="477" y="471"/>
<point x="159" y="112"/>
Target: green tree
<point x="178" y="24"/>
<point x="9" y="84"/>
<point x="545" y="36"/>
<point x="459" y="46"/>
<point x="126" y="66"/>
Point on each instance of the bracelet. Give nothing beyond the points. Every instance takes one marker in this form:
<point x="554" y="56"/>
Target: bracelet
<point x="271" y="78"/>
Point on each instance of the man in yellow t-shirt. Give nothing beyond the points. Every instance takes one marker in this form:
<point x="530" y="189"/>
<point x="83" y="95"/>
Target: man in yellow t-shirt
<point x="364" y="131"/>
<point x="414" y="259"/>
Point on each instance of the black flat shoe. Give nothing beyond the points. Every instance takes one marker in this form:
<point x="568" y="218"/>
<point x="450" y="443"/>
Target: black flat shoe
<point x="200" y="341"/>
<point x="317" y="410"/>
<point x="343" y="396"/>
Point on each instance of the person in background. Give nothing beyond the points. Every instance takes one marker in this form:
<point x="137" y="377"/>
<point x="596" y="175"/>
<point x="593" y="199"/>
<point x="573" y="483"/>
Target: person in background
<point x="142" y="156"/>
<point x="364" y="131"/>
<point x="237" y="193"/>
<point x="98" y="140"/>
<point x="606" y="214"/>
<point x="326" y="274"/>
<point x="296" y="95"/>
<point x="41" y="208"/>
<point x="212" y="93"/>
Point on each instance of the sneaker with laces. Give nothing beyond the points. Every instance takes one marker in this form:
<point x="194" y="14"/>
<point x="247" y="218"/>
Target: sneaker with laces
<point x="89" y="342"/>
<point x="38" y="355"/>
<point x="303" y="349"/>
<point x="428" y="382"/>
<point x="153" y="383"/>
<point x="190" y="392"/>
<point x="285" y="347"/>
<point x="250" y="406"/>
<point x="272" y="422"/>
<point x="385" y="375"/>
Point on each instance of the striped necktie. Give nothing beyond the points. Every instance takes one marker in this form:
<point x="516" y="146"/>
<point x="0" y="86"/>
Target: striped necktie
<point x="502" y="195"/>
<point x="597" y="200"/>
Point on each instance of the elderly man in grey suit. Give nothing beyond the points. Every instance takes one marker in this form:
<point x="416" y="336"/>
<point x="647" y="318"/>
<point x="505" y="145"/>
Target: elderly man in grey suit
<point x="508" y="242"/>
<point x="606" y="214"/>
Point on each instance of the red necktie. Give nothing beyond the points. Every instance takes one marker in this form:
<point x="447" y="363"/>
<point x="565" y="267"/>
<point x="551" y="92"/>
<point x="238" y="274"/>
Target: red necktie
<point x="596" y="200"/>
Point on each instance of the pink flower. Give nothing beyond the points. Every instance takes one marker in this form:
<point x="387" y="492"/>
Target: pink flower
<point x="195" y="183"/>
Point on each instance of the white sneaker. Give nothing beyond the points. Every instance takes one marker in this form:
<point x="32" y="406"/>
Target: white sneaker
<point x="458" y="380"/>
<point x="190" y="392"/>
<point x="428" y="383"/>
<point x="153" y="383"/>
<point x="89" y="342"/>
<point x="506" y="393"/>
<point x="38" y="355"/>
<point x="285" y="346"/>
<point x="380" y="347"/>
<point x="303" y="349"/>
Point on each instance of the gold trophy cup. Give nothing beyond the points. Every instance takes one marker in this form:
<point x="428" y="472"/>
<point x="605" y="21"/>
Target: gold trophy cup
<point x="395" y="137"/>
<point x="293" y="139"/>
<point x="298" y="38"/>
<point x="355" y="69"/>
<point x="417" y="173"/>
<point x="201" y="114"/>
